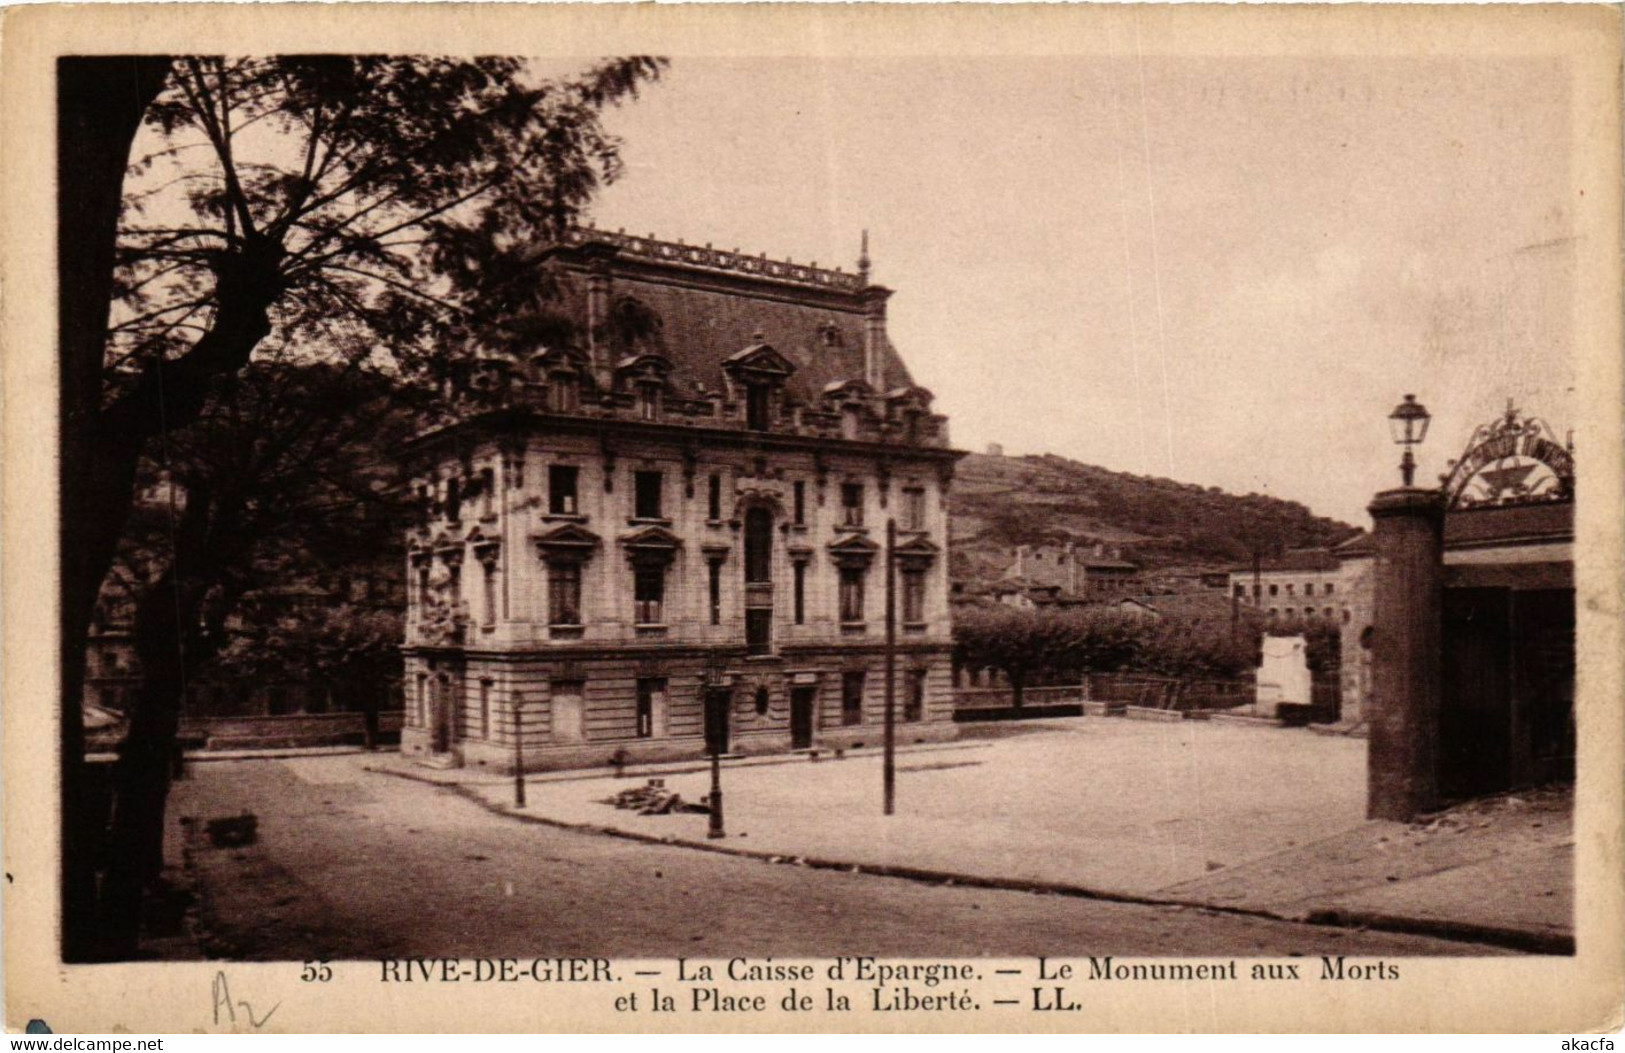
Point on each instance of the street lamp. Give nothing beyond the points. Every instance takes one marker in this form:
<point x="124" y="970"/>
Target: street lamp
<point x="1408" y="425"/>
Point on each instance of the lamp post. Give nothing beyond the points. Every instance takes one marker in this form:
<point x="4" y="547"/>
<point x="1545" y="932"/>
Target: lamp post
<point x="518" y="755"/>
<point x="717" y="705"/>
<point x="1408" y="425"/>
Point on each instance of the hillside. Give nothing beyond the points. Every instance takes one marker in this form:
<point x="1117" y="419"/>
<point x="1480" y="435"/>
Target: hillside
<point x="1000" y="502"/>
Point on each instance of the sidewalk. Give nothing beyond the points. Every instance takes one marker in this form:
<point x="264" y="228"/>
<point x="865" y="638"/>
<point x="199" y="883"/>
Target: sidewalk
<point x="1263" y="821"/>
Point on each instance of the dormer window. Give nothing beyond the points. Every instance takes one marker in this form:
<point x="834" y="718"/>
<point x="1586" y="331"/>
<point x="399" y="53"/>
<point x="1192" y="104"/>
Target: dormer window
<point x="563" y="393"/>
<point x="758" y="407"/>
<point x="648" y="401"/>
<point x="849" y="422"/>
<point x="760" y="373"/>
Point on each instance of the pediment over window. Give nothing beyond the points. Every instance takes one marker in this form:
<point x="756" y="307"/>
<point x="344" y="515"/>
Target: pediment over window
<point x="570" y="541"/>
<point x="759" y="360"/>
<point x="918" y="552"/>
<point x="647" y="367"/>
<point x="651" y="545"/>
<point x="559" y="359"/>
<point x="847" y="390"/>
<point x="913" y="397"/>
<point x="854" y="550"/>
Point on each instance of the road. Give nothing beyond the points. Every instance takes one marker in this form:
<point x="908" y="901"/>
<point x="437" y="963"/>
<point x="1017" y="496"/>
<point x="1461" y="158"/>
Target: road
<point x="355" y="865"/>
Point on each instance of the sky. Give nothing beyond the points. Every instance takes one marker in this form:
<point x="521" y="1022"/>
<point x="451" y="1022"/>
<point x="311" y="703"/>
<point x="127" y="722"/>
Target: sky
<point x="1225" y="270"/>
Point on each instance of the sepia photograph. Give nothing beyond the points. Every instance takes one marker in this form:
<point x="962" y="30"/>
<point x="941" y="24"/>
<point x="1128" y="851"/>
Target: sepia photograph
<point x="797" y="498"/>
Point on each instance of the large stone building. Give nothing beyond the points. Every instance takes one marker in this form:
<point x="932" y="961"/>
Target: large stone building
<point x="667" y="518"/>
<point x="1302" y="586"/>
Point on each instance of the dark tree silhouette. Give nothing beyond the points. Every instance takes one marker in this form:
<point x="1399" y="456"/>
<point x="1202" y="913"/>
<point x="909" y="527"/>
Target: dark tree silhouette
<point x="368" y="211"/>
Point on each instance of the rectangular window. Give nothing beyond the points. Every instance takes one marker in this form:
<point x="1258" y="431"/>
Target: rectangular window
<point x="913" y="597"/>
<point x="646" y="495"/>
<point x="914" y="508"/>
<point x="456" y="570"/>
<point x="914" y="695"/>
<point x="716" y="593"/>
<point x="488" y="492"/>
<point x="1329" y="588"/>
<point x="758" y="407"/>
<point x="485" y="709"/>
<point x="648" y="402"/>
<point x="454" y="499"/>
<point x="651" y="705"/>
<point x="648" y="595"/>
<point x="800" y="590"/>
<point x="561" y="489"/>
<point x="423" y="588"/>
<point x="564" y="594"/>
<point x="852" y="504"/>
<point x="851" y="594"/>
<point x="1308" y="588"/>
<point x="798" y="492"/>
<point x="713" y="505"/>
<point x="423" y="700"/>
<point x="852" y="697"/>
<point x="490" y="576"/>
<point x="758" y="630"/>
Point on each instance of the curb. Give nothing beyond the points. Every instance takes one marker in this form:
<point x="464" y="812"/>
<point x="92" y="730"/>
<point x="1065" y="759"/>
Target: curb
<point x="678" y="767"/>
<point x="1511" y="939"/>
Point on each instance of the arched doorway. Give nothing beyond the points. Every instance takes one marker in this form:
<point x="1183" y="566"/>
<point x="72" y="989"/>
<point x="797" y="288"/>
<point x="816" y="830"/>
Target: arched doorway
<point x="758" y="580"/>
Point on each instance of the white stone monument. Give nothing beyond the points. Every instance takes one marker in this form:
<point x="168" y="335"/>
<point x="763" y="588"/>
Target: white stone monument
<point x="1283" y="676"/>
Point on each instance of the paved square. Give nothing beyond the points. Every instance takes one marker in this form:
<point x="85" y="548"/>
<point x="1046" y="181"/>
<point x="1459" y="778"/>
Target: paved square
<point x="1110" y="804"/>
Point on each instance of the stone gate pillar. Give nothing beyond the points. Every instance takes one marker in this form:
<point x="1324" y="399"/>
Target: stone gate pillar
<point x="1402" y="758"/>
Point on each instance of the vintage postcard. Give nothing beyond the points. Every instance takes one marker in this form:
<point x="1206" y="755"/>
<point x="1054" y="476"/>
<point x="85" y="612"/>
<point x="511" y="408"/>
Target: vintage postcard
<point x="812" y="518"/>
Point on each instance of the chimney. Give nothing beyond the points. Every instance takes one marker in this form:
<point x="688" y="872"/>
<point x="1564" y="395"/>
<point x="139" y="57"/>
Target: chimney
<point x="1072" y="568"/>
<point x="599" y="256"/>
<point x="874" y="299"/>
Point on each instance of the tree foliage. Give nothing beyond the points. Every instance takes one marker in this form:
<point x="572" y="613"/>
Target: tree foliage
<point x="380" y="207"/>
<point x="1063" y="645"/>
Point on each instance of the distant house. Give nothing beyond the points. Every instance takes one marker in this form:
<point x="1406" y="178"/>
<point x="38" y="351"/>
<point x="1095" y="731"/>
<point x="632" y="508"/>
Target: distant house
<point x="1137" y="608"/>
<point x="1031" y="595"/>
<point x="1089" y="572"/>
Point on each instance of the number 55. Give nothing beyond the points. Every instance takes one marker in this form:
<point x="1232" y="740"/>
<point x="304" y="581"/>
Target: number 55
<point x="316" y="972"/>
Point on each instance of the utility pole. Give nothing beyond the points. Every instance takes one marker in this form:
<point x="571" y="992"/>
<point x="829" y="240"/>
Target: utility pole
<point x="891" y="666"/>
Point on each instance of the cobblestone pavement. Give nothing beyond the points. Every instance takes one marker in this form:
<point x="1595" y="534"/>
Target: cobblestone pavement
<point x="353" y="865"/>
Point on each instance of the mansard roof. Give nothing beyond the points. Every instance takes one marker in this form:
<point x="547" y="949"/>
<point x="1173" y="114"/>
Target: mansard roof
<point x="711" y="304"/>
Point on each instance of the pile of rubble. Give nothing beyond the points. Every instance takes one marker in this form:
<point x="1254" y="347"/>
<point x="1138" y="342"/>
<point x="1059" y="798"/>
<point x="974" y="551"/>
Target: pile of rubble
<point x="653" y="799"/>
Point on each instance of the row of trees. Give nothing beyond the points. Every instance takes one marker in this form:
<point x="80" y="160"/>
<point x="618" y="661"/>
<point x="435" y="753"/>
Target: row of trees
<point x="257" y="256"/>
<point x="1034" y="647"/>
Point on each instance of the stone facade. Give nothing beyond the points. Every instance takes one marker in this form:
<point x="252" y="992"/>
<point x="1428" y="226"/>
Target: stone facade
<point x="682" y="505"/>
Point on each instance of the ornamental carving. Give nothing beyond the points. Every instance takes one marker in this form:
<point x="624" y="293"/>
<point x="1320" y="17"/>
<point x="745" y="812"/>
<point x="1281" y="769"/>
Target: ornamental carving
<point x="1513" y="460"/>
